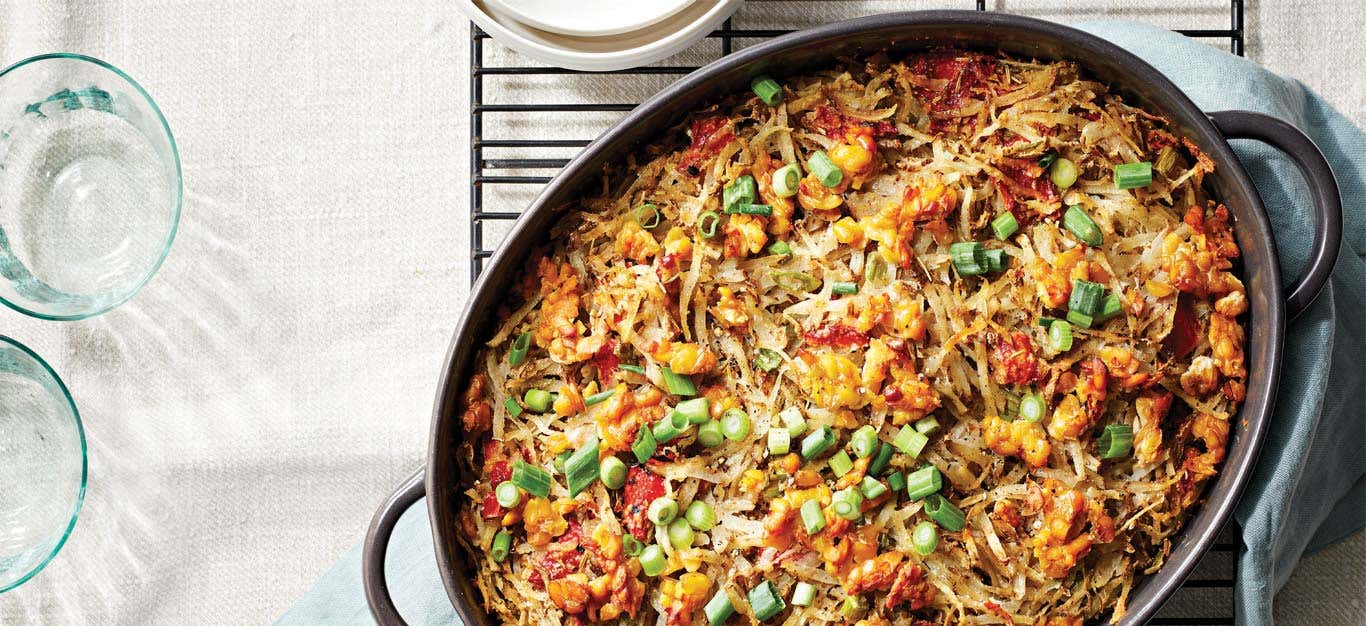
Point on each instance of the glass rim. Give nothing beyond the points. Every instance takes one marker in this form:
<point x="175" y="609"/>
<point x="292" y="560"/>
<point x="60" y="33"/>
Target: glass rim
<point x="85" y="464"/>
<point x="179" y="189"/>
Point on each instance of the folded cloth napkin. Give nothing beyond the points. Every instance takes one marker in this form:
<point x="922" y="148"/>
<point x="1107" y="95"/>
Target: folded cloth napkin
<point x="1308" y="491"/>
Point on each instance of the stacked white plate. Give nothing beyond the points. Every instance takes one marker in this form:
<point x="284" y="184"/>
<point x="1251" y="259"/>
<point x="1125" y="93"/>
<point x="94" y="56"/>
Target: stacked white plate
<point x="598" y="35"/>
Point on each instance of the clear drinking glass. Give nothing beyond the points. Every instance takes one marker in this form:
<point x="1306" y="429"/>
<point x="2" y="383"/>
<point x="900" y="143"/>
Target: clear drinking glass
<point x="90" y="187"/>
<point x="42" y="464"/>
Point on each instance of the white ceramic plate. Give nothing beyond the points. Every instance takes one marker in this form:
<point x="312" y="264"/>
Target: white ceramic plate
<point x="600" y="54"/>
<point x="590" y="18"/>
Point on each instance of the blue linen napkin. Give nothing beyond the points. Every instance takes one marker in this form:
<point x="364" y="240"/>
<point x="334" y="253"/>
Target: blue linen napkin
<point x="1309" y="489"/>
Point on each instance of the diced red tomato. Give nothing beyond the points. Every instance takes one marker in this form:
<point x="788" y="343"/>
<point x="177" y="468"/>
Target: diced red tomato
<point x="1015" y="357"/>
<point x="1185" y="335"/>
<point x="834" y="125"/>
<point x="1025" y="178"/>
<point x="961" y="73"/>
<point x="606" y="360"/>
<point x="708" y="137"/>
<point x="497" y="472"/>
<point x="836" y="335"/>
<point x="642" y="487"/>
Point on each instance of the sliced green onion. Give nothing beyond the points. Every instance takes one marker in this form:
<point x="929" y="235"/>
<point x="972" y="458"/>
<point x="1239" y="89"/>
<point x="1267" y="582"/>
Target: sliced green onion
<point x="925" y="538"/>
<point x="841" y="464"/>
<point x="1046" y="321"/>
<point x="1080" y="224"/>
<point x="767" y="89"/>
<point x="927" y="426"/>
<point x="599" y="397"/>
<point x="582" y="468"/>
<point x="513" y="408"/>
<point x="779" y="441"/>
<point x="735" y="424"/>
<point x="846" y="503"/>
<point x="520" y="345"/>
<point x="1063" y="173"/>
<point x="697" y="410"/>
<point x="1060" y="336"/>
<point x="1086" y="297"/>
<point x="825" y="170"/>
<point x="768" y="360"/>
<point x="864" y="441"/>
<point x="709" y="434"/>
<point x="1133" y="175"/>
<point x="700" y="515"/>
<point x="818" y="442"/>
<point x="507" y="494"/>
<point x="843" y="288"/>
<point x="910" y="441"/>
<point x="1116" y="441"/>
<point x="897" y="481"/>
<point x="680" y="534"/>
<point x="1005" y="225"/>
<point x="671" y="426"/>
<point x="1047" y="159"/>
<point x="875" y="270"/>
<point x="944" y="513"/>
<point x="1012" y="403"/>
<point x="793" y="420"/>
<point x="871" y="487"/>
<point x="706" y="224"/>
<point x="631" y="546"/>
<point x="634" y="369"/>
<point x="923" y="482"/>
<point x="796" y="282"/>
<point x="764" y="601"/>
<point x="741" y="191"/>
<point x="560" y="460"/>
<point x="780" y="248"/>
<point x="1077" y="318"/>
<point x="719" y="609"/>
<point x="852" y="607"/>
<point x="883" y="458"/>
<point x="537" y="400"/>
<point x="803" y="594"/>
<point x="648" y="216"/>
<point x="1032" y="407"/>
<point x="531" y="479"/>
<point x="645" y="444"/>
<point x="502" y="546"/>
<point x="613" y="472"/>
<point x="1111" y="307"/>
<point x="996" y="259"/>
<point x="677" y="384"/>
<point x="786" y="179"/>
<point x="752" y="209"/>
<point x="813" y="519"/>
<point x="652" y="560"/>
<point x="969" y="258"/>
<point x="662" y="510"/>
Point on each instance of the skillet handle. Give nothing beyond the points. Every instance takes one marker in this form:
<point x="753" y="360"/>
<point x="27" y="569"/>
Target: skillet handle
<point x="377" y="546"/>
<point x="1323" y="189"/>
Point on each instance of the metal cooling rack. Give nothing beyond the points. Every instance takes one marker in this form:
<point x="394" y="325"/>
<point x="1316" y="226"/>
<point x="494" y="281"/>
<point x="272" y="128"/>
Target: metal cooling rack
<point x="508" y="166"/>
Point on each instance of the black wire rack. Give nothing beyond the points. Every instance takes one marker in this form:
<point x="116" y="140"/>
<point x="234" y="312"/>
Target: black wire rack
<point x="527" y="120"/>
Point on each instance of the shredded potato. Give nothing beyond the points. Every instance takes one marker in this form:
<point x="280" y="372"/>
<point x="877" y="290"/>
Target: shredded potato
<point x="844" y="305"/>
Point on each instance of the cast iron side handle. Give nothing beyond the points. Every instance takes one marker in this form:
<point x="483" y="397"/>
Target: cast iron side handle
<point x="377" y="545"/>
<point x="1323" y="188"/>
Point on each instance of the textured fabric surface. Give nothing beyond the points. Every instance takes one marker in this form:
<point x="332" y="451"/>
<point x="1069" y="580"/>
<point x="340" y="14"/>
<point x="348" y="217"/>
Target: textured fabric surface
<point x="250" y="408"/>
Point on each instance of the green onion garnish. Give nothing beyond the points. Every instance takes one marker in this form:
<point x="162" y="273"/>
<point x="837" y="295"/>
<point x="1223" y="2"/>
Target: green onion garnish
<point x="1080" y="224"/>
<point x="882" y="460"/>
<point x="803" y="594"/>
<point x="735" y="424"/>
<point x="852" y="607"/>
<point x="613" y="472"/>
<point x="560" y="460"/>
<point x="671" y="426"/>
<point x="841" y="464"/>
<point x="871" y="487"/>
<point x="520" y="345"/>
<point x="1133" y="175"/>
<point x="1004" y="226"/>
<point x="818" y="442"/>
<point x="1032" y="407"/>
<point x="1111" y="307"/>
<point x="531" y="479"/>
<point x="768" y="360"/>
<point x="1077" y="318"/>
<point x="864" y="441"/>
<point x="677" y="384"/>
<point x="582" y="468"/>
<point x="897" y="481"/>
<point x="846" y="503"/>
<point x="634" y="369"/>
<point x="645" y="444"/>
<point x="706" y="224"/>
<point x="718" y="609"/>
<point x="652" y="560"/>
<point x="910" y="441"/>
<point x="969" y="258"/>
<point x="944" y="513"/>
<point x="781" y="248"/>
<point x="1116" y="440"/>
<point x="537" y="400"/>
<point x="779" y="441"/>
<point x="1046" y="321"/>
<point x="507" y="494"/>
<point x="662" y="510"/>
<point x="764" y="601"/>
<point x="502" y="546"/>
<point x="752" y="209"/>
<point x="1063" y="173"/>
<point x="1086" y="297"/>
<point x="1060" y="336"/>
<point x="923" y="482"/>
<point x="826" y="171"/>
<point x="793" y="420"/>
<point x="786" y="179"/>
<point x="680" y="534"/>
<point x="599" y="397"/>
<point x="741" y="191"/>
<point x="925" y="538"/>
<point x="813" y="519"/>
<point x="927" y="426"/>
<point x="648" y="216"/>
<point x="1047" y="159"/>
<point x="631" y="546"/>
<point x="843" y="288"/>
<point x="700" y="515"/>
<point x="513" y="408"/>
<point x="697" y="410"/>
<point x="709" y="434"/>
<point x="767" y="89"/>
<point x="796" y="282"/>
<point x="875" y="270"/>
<point x="996" y="259"/>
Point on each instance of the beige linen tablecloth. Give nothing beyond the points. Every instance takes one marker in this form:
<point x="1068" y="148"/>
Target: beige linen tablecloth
<point x="249" y="409"/>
